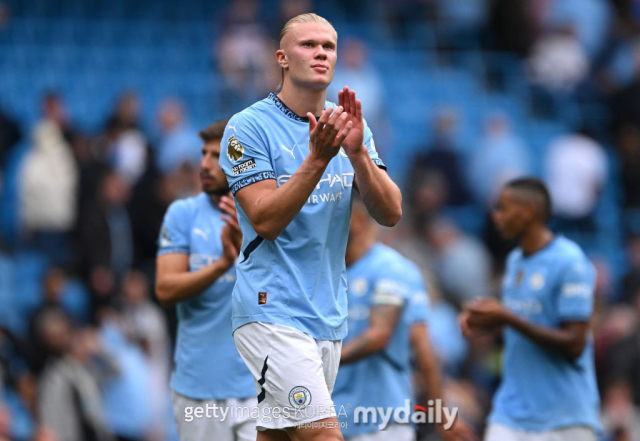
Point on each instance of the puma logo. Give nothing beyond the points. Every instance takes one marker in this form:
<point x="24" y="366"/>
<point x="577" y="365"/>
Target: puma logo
<point x="290" y="151"/>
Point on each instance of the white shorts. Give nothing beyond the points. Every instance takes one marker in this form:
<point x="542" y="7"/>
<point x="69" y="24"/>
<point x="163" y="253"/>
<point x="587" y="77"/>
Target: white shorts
<point x="294" y="373"/>
<point x="499" y="432"/>
<point x="395" y="432"/>
<point x="193" y="425"/>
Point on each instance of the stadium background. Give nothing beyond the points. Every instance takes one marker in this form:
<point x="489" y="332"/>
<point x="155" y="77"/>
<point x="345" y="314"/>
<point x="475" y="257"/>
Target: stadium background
<point x="100" y="104"/>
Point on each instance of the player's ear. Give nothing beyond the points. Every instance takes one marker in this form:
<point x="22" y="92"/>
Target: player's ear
<point x="281" y="58"/>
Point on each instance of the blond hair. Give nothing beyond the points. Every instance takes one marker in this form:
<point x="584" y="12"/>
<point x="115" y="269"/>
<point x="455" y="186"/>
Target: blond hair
<point x="299" y="19"/>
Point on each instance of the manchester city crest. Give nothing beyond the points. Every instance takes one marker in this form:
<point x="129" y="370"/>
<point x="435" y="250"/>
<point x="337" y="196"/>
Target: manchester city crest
<point x="299" y="397"/>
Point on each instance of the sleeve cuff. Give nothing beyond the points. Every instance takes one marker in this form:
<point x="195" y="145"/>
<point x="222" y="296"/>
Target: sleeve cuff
<point x="173" y="250"/>
<point x="257" y="177"/>
<point x="380" y="164"/>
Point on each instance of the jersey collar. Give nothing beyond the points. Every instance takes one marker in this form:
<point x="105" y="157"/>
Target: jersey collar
<point x="286" y="110"/>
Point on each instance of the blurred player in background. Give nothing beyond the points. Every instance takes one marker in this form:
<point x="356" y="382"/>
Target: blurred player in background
<point x="292" y="161"/>
<point x="548" y="390"/>
<point x="388" y="309"/>
<point x="198" y="247"/>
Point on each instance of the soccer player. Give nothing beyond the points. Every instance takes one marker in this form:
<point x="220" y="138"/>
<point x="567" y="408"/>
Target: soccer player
<point x="292" y="161"/>
<point x="548" y="389"/>
<point x="198" y="247"/>
<point x="388" y="309"/>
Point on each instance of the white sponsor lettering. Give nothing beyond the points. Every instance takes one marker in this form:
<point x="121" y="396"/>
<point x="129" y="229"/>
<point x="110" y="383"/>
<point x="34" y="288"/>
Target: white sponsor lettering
<point x="524" y="306"/>
<point x="576" y="290"/>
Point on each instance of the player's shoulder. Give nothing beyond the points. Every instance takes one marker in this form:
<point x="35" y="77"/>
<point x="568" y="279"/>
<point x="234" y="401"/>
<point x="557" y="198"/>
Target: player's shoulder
<point x="389" y="261"/>
<point x="513" y="256"/>
<point x="566" y="250"/>
<point x="249" y="117"/>
<point x="186" y="206"/>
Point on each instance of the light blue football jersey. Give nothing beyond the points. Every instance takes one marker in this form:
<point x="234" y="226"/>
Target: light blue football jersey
<point x="299" y="279"/>
<point x="541" y="389"/>
<point x="382" y="276"/>
<point x="207" y="363"/>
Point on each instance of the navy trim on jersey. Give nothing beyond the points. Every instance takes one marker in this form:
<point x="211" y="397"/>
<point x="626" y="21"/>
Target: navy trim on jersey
<point x="257" y="177"/>
<point x="380" y="164"/>
<point x="255" y="243"/>
<point x="285" y="109"/>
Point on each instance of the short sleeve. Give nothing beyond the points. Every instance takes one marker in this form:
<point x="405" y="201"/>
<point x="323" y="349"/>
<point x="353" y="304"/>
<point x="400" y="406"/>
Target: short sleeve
<point x="174" y="234"/>
<point x="390" y="288"/>
<point x="575" y="292"/>
<point x="370" y="144"/>
<point x="418" y="306"/>
<point x="244" y="155"/>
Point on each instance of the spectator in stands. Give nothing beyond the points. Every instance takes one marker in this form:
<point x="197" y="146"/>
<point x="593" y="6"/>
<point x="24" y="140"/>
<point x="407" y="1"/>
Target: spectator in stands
<point x="10" y="134"/>
<point x="105" y="242"/>
<point x="146" y="325"/>
<point x="500" y="157"/>
<point x="624" y="103"/>
<point x="576" y="168"/>
<point x="69" y="401"/>
<point x="558" y="62"/>
<point x="463" y="265"/>
<point x="631" y="281"/>
<point x="179" y="142"/>
<point x="591" y="20"/>
<point x="48" y="183"/>
<point x="127" y="150"/>
<point x="127" y="111"/>
<point x="53" y="287"/>
<point x="629" y="148"/>
<point x="127" y="391"/>
<point x="441" y="160"/>
<point x="355" y="71"/>
<point x="512" y="26"/>
<point x="245" y="53"/>
<point x="464" y="16"/>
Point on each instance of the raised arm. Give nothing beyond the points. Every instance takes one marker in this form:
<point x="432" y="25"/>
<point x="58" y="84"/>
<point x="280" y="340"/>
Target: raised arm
<point x="174" y="281"/>
<point x="270" y="208"/>
<point x="379" y="193"/>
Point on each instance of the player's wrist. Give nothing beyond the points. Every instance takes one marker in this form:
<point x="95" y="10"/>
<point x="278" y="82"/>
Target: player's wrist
<point x="358" y="152"/>
<point x="317" y="162"/>
<point x="223" y="264"/>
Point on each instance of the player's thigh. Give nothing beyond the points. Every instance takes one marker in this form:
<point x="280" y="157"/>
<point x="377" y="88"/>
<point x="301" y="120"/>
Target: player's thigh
<point x="242" y="418"/>
<point x="499" y="432"/>
<point x="329" y="352"/>
<point x="191" y="428"/>
<point x="394" y="432"/>
<point x="327" y="429"/>
<point x="289" y="372"/>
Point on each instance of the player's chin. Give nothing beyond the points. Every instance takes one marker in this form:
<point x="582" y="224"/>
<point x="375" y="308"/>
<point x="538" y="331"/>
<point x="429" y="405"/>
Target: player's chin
<point x="321" y="81"/>
<point x="507" y="233"/>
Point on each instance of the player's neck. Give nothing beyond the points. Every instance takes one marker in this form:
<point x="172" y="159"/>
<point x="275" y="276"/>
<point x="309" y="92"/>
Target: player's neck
<point x="302" y="100"/>
<point x="535" y="239"/>
<point x="358" y="248"/>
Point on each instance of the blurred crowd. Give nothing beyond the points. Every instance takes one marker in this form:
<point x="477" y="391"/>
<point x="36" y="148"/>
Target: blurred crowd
<point x="85" y="350"/>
